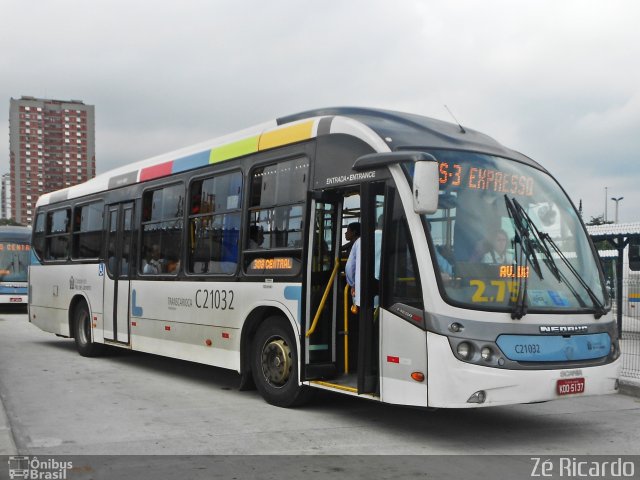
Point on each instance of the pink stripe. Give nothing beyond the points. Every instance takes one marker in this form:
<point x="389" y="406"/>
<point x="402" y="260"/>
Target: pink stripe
<point x="156" y="171"/>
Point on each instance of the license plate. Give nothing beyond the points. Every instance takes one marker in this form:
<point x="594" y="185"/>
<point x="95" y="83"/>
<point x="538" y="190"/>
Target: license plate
<point x="15" y="300"/>
<point x="568" y="386"/>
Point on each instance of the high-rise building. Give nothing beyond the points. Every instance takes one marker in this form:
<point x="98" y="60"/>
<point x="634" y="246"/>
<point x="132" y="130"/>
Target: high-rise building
<point x="5" y="196"/>
<point x="51" y="146"/>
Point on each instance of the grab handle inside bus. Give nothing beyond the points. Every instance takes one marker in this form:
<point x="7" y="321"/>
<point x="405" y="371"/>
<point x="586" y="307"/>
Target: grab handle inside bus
<point x="312" y="328"/>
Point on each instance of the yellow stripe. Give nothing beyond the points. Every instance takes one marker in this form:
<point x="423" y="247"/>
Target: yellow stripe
<point x="333" y="385"/>
<point x="286" y="135"/>
<point x="634" y="295"/>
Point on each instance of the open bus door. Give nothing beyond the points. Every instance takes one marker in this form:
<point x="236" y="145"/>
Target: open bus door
<point x="341" y="347"/>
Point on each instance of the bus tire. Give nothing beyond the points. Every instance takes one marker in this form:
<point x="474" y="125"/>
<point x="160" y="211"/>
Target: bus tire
<point x="274" y="363"/>
<point x="82" y="332"/>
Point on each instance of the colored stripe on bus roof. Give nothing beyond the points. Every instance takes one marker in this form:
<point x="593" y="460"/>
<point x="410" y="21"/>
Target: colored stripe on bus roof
<point x="156" y="171"/>
<point x="196" y="160"/>
<point x="284" y="136"/>
<point x="234" y="150"/>
<point x="272" y="139"/>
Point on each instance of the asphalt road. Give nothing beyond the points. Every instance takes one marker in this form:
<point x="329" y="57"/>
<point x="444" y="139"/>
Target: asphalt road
<point x="59" y="403"/>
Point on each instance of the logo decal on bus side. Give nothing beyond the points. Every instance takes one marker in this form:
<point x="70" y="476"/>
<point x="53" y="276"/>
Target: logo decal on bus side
<point x="136" y="311"/>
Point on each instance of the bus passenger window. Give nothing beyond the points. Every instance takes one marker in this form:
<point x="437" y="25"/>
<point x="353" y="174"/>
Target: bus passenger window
<point x="276" y="209"/>
<point x="57" y="237"/>
<point x="277" y="194"/>
<point x="39" y="235"/>
<point x="162" y="219"/>
<point x="214" y="224"/>
<point x="87" y="230"/>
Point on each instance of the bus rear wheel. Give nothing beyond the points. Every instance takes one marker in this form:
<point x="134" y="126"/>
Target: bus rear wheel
<point x="82" y="332"/>
<point x="275" y="364"/>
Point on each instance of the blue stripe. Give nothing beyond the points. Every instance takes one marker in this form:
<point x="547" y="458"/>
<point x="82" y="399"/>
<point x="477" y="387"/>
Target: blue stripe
<point x="192" y="161"/>
<point x="13" y="290"/>
<point x="538" y="348"/>
<point x="295" y="293"/>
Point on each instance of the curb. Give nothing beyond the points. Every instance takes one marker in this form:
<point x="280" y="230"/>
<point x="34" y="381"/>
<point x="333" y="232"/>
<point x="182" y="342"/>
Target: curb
<point x="628" y="387"/>
<point x="7" y="444"/>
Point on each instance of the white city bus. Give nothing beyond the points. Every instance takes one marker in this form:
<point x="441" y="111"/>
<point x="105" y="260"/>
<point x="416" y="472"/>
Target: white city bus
<point x="229" y="254"/>
<point x="15" y="257"/>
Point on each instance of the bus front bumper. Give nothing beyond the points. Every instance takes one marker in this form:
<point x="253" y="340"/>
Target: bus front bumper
<point x="456" y="384"/>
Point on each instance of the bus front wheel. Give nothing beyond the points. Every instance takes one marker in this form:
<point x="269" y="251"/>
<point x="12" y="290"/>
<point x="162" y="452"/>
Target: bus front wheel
<point x="82" y="332"/>
<point x="275" y="364"/>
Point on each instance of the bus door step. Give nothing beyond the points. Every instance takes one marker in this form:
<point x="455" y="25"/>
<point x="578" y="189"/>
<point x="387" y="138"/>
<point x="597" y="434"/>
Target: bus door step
<point x="316" y="371"/>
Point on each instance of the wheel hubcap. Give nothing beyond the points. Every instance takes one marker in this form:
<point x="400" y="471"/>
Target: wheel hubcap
<point x="276" y="362"/>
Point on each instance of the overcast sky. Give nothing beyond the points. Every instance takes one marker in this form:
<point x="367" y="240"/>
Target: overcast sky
<point x="557" y="80"/>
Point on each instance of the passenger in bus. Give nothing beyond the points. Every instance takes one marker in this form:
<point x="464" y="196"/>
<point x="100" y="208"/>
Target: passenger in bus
<point x="446" y="270"/>
<point x="498" y="249"/>
<point x="256" y="237"/>
<point x="352" y="272"/>
<point x="153" y="263"/>
<point x="352" y="268"/>
<point x="351" y="235"/>
<point x="173" y="264"/>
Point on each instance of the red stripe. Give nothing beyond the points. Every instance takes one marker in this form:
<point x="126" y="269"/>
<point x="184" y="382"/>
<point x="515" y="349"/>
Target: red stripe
<point x="156" y="171"/>
<point x="391" y="359"/>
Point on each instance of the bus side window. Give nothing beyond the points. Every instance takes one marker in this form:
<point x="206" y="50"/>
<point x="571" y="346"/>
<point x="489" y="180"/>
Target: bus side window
<point x="57" y="234"/>
<point x="276" y="217"/>
<point x="214" y="224"/>
<point x="402" y="284"/>
<point x="161" y="229"/>
<point x="634" y="255"/>
<point x="39" y="235"/>
<point x="87" y="231"/>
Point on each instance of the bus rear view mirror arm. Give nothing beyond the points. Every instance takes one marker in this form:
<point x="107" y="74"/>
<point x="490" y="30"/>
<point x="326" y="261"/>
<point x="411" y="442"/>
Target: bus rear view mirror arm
<point x="425" y="175"/>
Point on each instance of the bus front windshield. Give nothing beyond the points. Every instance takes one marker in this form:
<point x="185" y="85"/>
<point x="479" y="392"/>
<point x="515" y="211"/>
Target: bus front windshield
<point x="14" y="261"/>
<point x="505" y="237"/>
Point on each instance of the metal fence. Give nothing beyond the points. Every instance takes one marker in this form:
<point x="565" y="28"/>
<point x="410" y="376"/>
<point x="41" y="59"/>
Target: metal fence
<point x="630" y="340"/>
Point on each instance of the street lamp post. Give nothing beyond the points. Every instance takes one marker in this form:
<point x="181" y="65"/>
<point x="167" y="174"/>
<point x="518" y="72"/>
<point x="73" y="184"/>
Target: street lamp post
<point x="617" y="200"/>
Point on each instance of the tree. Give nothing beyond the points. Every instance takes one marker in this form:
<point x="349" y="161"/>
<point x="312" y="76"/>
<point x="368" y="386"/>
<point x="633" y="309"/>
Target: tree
<point x="603" y="244"/>
<point x="599" y="220"/>
<point x="10" y="221"/>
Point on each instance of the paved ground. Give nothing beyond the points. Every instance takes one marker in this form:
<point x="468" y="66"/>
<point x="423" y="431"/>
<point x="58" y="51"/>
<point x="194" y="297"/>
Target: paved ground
<point x="60" y="403"/>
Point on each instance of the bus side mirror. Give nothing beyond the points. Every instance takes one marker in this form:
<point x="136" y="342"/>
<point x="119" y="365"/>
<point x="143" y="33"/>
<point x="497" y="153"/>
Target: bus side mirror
<point x="426" y="185"/>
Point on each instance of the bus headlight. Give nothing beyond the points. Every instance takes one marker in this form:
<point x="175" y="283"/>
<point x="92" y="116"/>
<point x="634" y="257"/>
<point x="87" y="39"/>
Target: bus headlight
<point x="486" y="353"/>
<point x="464" y="350"/>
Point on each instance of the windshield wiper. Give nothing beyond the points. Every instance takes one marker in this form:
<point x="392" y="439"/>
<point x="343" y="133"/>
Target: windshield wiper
<point x="599" y="308"/>
<point x="543" y="239"/>
<point x="526" y="251"/>
<point x="542" y="247"/>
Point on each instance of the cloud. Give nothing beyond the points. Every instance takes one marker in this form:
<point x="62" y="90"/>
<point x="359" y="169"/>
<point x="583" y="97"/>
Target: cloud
<point x="558" y="81"/>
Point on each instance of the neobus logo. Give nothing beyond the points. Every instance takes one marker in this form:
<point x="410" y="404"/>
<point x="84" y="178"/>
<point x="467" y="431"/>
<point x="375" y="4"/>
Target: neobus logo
<point x="565" y="329"/>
